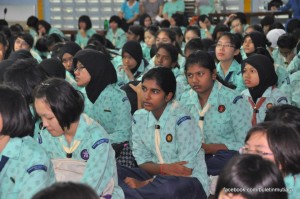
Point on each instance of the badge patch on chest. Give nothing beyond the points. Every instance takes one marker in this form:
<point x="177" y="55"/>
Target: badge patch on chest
<point x="85" y="154"/>
<point x="169" y="137"/>
<point x="221" y="108"/>
<point x="269" y="105"/>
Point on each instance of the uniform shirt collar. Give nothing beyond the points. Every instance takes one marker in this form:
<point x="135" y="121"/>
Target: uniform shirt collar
<point x="163" y="118"/>
<point x="13" y="148"/>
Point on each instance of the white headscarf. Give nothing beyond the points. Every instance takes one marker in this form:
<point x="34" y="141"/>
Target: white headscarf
<point x="273" y="36"/>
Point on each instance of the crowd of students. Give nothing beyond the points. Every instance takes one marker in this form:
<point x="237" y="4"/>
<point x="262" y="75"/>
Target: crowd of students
<point x="162" y="109"/>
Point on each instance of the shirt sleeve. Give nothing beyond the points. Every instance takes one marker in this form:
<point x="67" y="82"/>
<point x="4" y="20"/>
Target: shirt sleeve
<point x="189" y="140"/>
<point x="181" y="6"/>
<point x="39" y="176"/>
<point x="122" y="125"/>
<point x="139" y="149"/>
<point x="99" y="168"/>
<point x="241" y="122"/>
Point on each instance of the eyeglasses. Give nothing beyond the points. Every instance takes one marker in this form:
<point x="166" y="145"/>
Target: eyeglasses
<point x="79" y="69"/>
<point x="224" y="46"/>
<point x="246" y="150"/>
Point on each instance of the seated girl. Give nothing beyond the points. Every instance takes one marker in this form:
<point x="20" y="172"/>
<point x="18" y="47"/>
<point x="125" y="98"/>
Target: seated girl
<point x="104" y="101"/>
<point x="228" y="54"/>
<point x="260" y="79"/>
<point x="278" y="142"/>
<point x="69" y="134"/>
<point x="165" y="144"/>
<point x="222" y="114"/>
<point x="133" y="63"/>
<point x="25" y="168"/>
<point x="115" y="33"/>
<point x="85" y="30"/>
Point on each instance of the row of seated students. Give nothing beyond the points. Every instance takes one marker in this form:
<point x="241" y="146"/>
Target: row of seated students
<point x="191" y="113"/>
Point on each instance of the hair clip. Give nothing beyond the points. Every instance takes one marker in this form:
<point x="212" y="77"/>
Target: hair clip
<point x="45" y="84"/>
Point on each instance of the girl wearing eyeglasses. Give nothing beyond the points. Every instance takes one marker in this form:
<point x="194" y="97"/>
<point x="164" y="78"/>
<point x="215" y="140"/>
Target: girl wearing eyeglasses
<point x="105" y="102"/>
<point x="221" y="113"/>
<point x="66" y="54"/>
<point x="228" y="53"/>
<point x="279" y="143"/>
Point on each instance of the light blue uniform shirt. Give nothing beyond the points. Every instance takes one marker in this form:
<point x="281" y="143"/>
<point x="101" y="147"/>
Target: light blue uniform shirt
<point x="233" y="76"/>
<point x="211" y="30"/>
<point x="146" y="52"/>
<point x="282" y="75"/>
<point x="292" y="183"/>
<point x="94" y="148"/>
<point x="56" y="31"/>
<point x="82" y="41"/>
<point x="228" y="119"/>
<point x="36" y="55"/>
<point x="208" y="8"/>
<point x="123" y="78"/>
<point x="27" y="170"/>
<point x="173" y="7"/>
<point x="129" y="11"/>
<point x="294" y="65"/>
<point x="180" y="140"/>
<point x="290" y="87"/>
<point x="118" y="39"/>
<point x="273" y="97"/>
<point x="279" y="59"/>
<point x="112" y="110"/>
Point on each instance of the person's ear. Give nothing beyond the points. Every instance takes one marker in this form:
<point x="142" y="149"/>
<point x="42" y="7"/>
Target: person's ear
<point x="214" y="74"/>
<point x="169" y="96"/>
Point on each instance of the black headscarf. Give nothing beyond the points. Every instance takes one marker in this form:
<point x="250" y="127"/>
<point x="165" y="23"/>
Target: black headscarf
<point x="266" y="73"/>
<point x="134" y="49"/>
<point x="100" y="68"/>
<point x="259" y="40"/>
<point x="70" y="47"/>
<point x="53" y="68"/>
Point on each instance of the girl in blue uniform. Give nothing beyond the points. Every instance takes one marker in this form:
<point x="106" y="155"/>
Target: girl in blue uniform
<point x="228" y="53"/>
<point x="149" y="38"/>
<point x="45" y="28"/>
<point x="133" y="63"/>
<point x="260" y="79"/>
<point x="165" y="144"/>
<point x="278" y="142"/>
<point x="105" y="102"/>
<point x="256" y="42"/>
<point x="115" y="33"/>
<point x="25" y="168"/>
<point x="66" y="54"/>
<point x="85" y="30"/>
<point x="222" y="114"/>
<point x="69" y="134"/>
